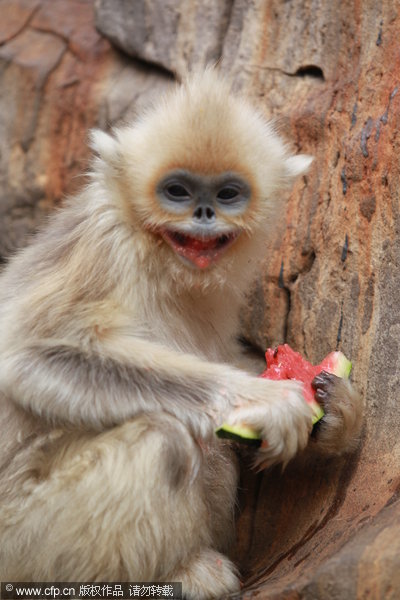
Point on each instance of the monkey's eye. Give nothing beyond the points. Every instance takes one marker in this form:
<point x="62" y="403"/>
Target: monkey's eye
<point x="228" y="193"/>
<point x="176" y="191"/>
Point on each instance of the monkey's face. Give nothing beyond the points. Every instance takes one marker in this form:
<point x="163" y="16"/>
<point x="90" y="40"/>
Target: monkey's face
<point x="204" y="214"/>
<point x="199" y="175"/>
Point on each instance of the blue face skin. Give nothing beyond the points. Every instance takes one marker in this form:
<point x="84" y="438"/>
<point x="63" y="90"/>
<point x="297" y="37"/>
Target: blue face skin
<point x="202" y="234"/>
<point x="202" y="197"/>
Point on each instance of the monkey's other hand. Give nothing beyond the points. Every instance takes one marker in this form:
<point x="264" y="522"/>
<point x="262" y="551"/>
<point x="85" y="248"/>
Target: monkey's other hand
<point x="338" y="430"/>
<point x="282" y="418"/>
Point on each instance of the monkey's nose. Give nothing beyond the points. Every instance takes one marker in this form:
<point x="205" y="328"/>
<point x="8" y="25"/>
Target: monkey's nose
<point x="204" y="214"/>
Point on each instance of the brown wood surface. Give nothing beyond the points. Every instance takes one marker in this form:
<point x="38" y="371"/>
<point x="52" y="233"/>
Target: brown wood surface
<point x="329" y="73"/>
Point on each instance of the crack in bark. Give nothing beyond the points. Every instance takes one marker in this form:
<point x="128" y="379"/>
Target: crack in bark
<point x="286" y="287"/>
<point x="313" y="71"/>
<point x="24" y="25"/>
<point x="29" y="133"/>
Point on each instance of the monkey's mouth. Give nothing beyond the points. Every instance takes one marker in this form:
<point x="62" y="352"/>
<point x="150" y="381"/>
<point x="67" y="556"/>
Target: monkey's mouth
<point x="200" y="252"/>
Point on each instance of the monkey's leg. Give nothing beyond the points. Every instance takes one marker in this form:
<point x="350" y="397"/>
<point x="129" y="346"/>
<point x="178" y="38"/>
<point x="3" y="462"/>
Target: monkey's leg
<point x="127" y="504"/>
<point x="208" y="573"/>
<point x="221" y="481"/>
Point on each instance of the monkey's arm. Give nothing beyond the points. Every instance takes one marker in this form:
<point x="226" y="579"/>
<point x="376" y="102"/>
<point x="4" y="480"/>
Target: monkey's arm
<point x="127" y="376"/>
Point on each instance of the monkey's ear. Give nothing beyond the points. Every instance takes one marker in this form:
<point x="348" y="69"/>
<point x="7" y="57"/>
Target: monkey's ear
<point x="104" y="145"/>
<point x="297" y="165"/>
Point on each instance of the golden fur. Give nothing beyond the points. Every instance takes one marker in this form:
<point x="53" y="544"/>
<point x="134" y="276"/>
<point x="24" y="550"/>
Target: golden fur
<point x="117" y="362"/>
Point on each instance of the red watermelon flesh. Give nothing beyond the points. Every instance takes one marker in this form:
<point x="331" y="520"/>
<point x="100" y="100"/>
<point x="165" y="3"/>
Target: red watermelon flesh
<point x="285" y="363"/>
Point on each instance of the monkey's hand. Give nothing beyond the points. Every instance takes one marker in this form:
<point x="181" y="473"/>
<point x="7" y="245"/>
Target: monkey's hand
<point x="338" y="430"/>
<point x="281" y="417"/>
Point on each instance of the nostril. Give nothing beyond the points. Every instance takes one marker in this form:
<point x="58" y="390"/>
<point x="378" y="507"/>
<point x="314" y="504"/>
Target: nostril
<point x="198" y="213"/>
<point x="210" y="214"/>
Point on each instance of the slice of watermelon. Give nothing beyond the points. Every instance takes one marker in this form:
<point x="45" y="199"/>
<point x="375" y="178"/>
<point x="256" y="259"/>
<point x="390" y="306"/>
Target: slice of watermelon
<point x="285" y="363"/>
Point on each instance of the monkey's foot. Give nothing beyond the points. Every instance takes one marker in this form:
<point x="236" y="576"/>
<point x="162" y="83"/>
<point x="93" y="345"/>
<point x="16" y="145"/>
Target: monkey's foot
<point x="208" y="575"/>
<point x="339" y="428"/>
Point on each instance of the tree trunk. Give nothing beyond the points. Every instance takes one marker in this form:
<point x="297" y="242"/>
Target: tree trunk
<point x="329" y="73"/>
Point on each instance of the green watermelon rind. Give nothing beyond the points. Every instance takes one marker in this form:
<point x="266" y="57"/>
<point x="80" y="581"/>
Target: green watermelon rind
<point x="318" y="412"/>
<point x="239" y="433"/>
<point x="341" y="365"/>
<point x="343" y="368"/>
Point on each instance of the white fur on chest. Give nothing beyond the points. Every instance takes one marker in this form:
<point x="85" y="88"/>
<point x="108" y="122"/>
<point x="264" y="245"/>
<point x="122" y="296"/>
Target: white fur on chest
<point x="196" y="323"/>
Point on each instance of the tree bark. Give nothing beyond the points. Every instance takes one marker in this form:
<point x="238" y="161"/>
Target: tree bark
<point x="329" y="74"/>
